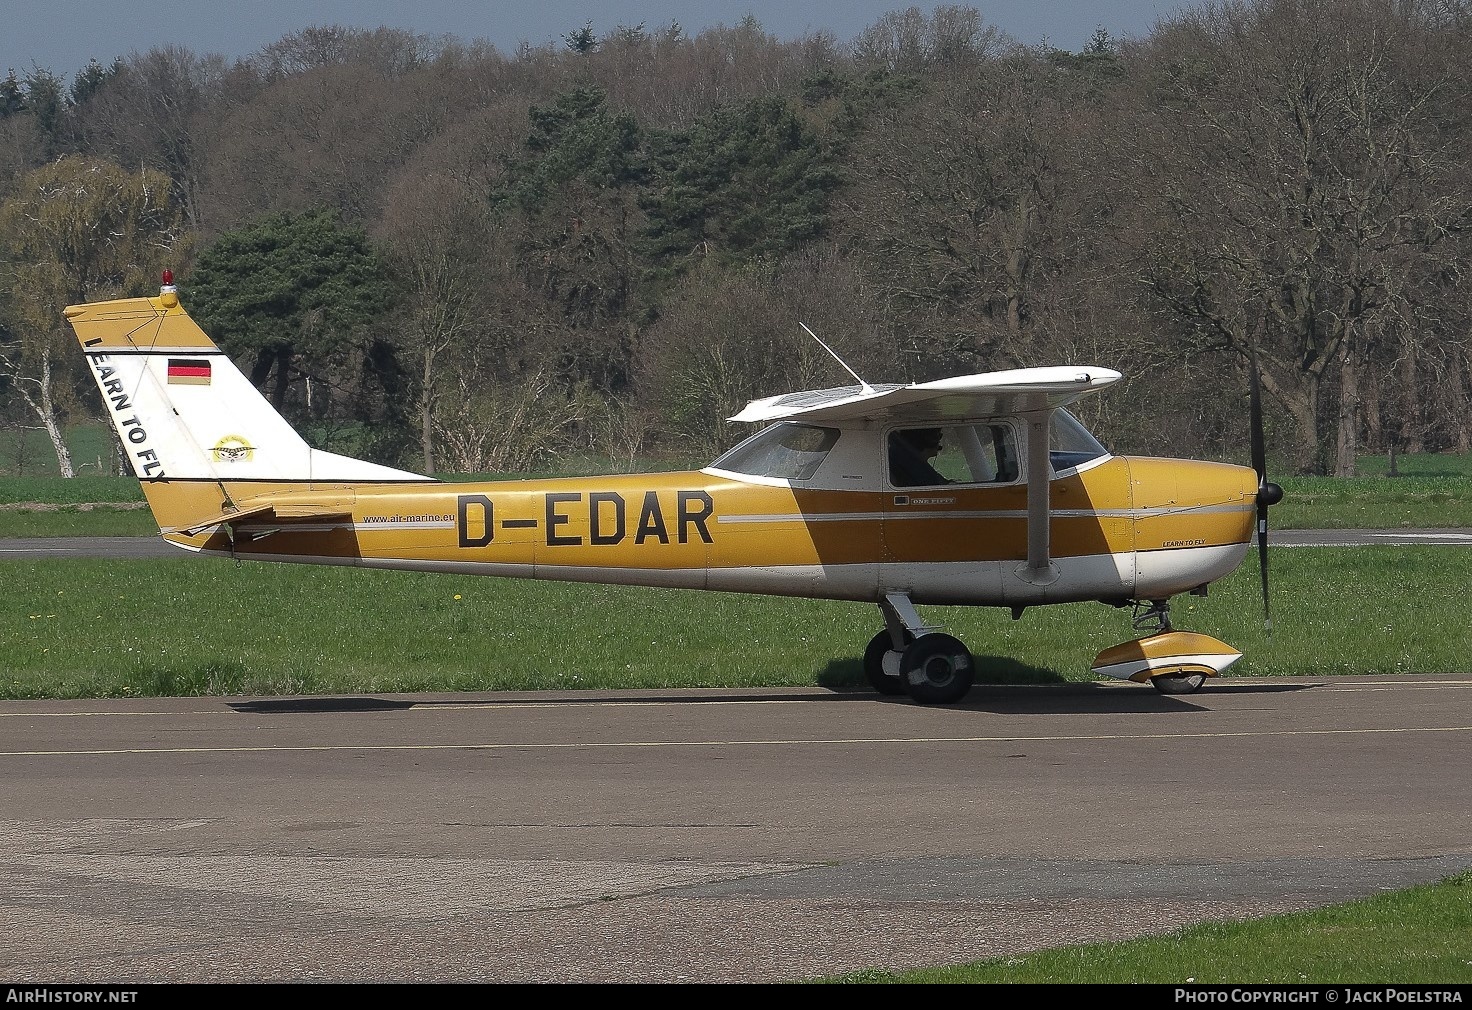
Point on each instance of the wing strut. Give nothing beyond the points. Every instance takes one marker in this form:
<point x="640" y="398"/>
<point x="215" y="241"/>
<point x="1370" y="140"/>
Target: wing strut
<point x="1039" y="511"/>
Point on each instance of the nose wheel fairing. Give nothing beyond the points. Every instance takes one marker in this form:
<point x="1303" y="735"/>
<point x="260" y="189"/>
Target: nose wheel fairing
<point x="1174" y="662"/>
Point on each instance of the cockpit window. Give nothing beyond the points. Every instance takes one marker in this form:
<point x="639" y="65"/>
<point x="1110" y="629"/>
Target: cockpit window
<point x="785" y="451"/>
<point x="1070" y="444"/>
<point x="982" y="453"/>
<point x="955" y="454"/>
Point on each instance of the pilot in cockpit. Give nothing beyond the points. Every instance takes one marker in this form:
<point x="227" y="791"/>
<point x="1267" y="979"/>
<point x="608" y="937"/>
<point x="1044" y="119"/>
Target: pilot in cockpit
<point x="910" y="453"/>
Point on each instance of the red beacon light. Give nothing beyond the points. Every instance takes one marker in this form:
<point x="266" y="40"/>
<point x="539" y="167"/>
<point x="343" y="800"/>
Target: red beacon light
<point x="168" y="294"/>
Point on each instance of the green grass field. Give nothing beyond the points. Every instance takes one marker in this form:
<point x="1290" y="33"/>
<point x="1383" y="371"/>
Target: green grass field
<point x="1419" y="935"/>
<point x="114" y="628"/>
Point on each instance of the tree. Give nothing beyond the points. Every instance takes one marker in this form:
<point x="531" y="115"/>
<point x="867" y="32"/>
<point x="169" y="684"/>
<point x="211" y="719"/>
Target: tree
<point x="907" y="41"/>
<point x="46" y="101"/>
<point x="730" y="335"/>
<point x="90" y="79"/>
<point x="159" y="109"/>
<point x="300" y="296"/>
<point x="12" y="95"/>
<point x="582" y="41"/>
<point x="72" y="231"/>
<point x="1294" y="154"/>
<point x="743" y="183"/>
<point x="333" y="119"/>
<point x="463" y="307"/>
<point x="571" y="202"/>
<point x="973" y="207"/>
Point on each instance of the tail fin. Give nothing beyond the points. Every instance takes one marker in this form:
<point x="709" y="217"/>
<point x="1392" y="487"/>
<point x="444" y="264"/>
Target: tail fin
<point x="185" y="413"/>
<point x="182" y="408"/>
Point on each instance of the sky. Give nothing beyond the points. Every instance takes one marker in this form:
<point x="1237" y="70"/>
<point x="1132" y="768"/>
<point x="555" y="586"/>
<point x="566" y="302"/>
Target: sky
<point x="61" y="36"/>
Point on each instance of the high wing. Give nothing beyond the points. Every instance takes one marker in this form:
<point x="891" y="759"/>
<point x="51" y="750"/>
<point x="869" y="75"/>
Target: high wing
<point x="1015" y="391"/>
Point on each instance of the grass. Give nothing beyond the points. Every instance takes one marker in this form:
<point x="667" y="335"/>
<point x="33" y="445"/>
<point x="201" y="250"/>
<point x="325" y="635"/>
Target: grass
<point x="1431" y="927"/>
<point x="74" y="491"/>
<point x="116" y="628"/>
<point x="1429" y="464"/>
<point x="77" y="521"/>
<point x="83" y="506"/>
<point x="27" y="451"/>
<point x="1430" y="501"/>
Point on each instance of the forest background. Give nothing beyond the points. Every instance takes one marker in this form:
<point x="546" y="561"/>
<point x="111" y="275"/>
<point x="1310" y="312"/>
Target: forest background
<point x="444" y="257"/>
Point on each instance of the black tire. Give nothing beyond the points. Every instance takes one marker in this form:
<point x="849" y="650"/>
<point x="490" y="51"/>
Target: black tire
<point x="937" y="670"/>
<point x="1182" y="682"/>
<point x="874" y="664"/>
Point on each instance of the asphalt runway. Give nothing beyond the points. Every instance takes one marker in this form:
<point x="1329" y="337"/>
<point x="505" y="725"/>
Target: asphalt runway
<point x="89" y="547"/>
<point x="701" y="836"/>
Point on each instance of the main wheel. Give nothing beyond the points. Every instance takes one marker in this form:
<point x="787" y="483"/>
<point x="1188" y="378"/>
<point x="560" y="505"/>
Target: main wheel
<point x="1177" y="683"/>
<point x="936" y="669"/>
<point x="874" y="664"/>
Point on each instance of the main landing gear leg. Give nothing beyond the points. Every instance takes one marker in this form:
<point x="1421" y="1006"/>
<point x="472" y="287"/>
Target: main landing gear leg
<point x="909" y="656"/>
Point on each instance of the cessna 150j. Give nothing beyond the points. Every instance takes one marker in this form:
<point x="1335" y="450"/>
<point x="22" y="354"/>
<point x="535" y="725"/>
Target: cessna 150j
<point x="978" y="490"/>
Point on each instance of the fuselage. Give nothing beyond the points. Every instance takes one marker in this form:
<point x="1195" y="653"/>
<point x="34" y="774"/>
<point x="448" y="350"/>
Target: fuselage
<point x="1121" y="528"/>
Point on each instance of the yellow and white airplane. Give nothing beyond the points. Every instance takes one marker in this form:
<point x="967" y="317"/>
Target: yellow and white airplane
<point x="978" y="490"/>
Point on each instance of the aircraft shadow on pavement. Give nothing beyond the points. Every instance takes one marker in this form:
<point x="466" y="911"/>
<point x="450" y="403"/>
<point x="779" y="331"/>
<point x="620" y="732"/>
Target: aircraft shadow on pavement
<point x="285" y="705"/>
<point x="1111" y="698"/>
<point x="847" y="673"/>
<point x="989" y="696"/>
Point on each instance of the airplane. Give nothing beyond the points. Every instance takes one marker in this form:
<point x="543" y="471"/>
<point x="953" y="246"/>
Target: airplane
<point x="974" y="490"/>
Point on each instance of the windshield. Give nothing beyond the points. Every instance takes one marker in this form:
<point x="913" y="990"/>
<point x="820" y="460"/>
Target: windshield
<point x="1070" y="443"/>
<point x="785" y="451"/>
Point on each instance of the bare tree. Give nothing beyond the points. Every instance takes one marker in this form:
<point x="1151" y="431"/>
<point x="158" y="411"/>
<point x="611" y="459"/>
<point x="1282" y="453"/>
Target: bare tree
<point x="1294" y="155"/>
<point x="161" y="109"/>
<point x="457" y="263"/>
<point x="971" y="206"/>
<point x="71" y="231"/>
<point x="909" y="41"/>
<point x="729" y="336"/>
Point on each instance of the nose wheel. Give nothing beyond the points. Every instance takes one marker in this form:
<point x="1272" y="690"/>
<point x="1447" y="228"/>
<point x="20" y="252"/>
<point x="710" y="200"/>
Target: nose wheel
<point x="1177" y="683"/>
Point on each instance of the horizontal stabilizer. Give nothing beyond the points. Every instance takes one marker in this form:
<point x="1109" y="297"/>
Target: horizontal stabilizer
<point x="287" y="505"/>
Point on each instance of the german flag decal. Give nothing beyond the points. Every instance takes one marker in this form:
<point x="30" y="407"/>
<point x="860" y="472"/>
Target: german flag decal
<point x="189" y="371"/>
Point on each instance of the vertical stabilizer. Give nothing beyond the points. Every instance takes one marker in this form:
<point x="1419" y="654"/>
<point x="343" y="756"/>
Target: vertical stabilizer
<point x="184" y="411"/>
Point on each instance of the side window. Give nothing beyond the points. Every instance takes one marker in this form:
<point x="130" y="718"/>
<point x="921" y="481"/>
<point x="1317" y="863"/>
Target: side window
<point x="955" y="454"/>
<point x="786" y="451"/>
<point x="990" y="450"/>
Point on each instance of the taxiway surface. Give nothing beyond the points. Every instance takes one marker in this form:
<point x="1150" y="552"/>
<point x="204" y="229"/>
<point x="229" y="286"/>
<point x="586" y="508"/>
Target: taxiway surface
<point x="701" y="836"/>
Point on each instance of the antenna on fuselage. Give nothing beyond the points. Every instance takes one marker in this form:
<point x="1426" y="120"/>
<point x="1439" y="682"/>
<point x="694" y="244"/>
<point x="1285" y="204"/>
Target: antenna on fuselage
<point x="863" y="386"/>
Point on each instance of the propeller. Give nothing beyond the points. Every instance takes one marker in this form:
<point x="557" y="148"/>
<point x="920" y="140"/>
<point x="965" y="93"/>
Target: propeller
<point x="1268" y="493"/>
